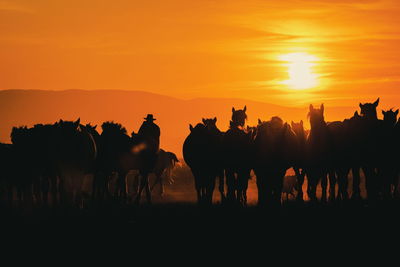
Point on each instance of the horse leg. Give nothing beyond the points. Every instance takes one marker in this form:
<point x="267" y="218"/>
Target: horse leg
<point x="386" y="180"/>
<point x="300" y="182"/>
<point x="243" y="180"/>
<point x="343" y="183"/>
<point x="54" y="189"/>
<point x="158" y="181"/>
<point x="145" y="184"/>
<point x="396" y="184"/>
<point x="123" y="189"/>
<point x="230" y="182"/>
<point x="260" y="181"/>
<point x="95" y="186"/>
<point x="245" y="187"/>
<point x="370" y="183"/>
<point x="221" y="185"/>
<point x="210" y="189"/>
<point x="162" y="189"/>
<point x="240" y="187"/>
<point x="324" y="187"/>
<point x="356" y="195"/>
<point x="141" y="187"/>
<point x="332" y="186"/>
<point x="44" y="187"/>
<point x="312" y="182"/>
<point x="278" y="187"/>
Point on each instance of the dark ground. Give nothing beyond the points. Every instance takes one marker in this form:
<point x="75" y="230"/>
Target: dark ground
<point x="175" y="222"/>
<point x="190" y="234"/>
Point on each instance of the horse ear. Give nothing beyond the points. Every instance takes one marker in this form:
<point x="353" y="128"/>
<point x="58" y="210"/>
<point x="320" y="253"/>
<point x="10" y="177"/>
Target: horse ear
<point x="259" y="121"/>
<point x="204" y="121"/>
<point x="78" y="121"/>
<point x="190" y="127"/>
<point x="311" y="107"/>
<point x="322" y="108"/>
<point x="233" y="109"/>
<point x="245" y="108"/>
<point x="215" y="119"/>
<point x="61" y="121"/>
<point x="396" y="112"/>
<point x="376" y="102"/>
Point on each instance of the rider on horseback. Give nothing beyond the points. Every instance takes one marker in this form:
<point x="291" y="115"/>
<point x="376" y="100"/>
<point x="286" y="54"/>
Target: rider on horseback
<point x="149" y="133"/>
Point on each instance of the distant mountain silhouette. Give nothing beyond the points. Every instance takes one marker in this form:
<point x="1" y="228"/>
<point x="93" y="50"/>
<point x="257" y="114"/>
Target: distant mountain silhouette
<point x="28" y="107"/>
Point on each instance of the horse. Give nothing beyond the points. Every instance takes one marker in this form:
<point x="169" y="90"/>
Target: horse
<point x="397" y="144"/>
<point x="115" y="156"/>
<point x="237" y="157"/>
<point x="273" y="148"/>
<point x="101" y="174"/>
<point x="8" y="168"/>
<point x="369" y="131"/>
<point x="218" y="157"/>
<point x="299" y="161"/>
<point x="318" y="149"/>
<point x="201" y="153"/>
<point x="165" y="164"/>
<point x="25" y="161"/>
<point x="387" y="169"/>
<point x="55" y="156"/>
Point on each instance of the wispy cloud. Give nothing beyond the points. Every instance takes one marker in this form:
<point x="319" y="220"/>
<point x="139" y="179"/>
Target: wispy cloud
<point x="14" y="7"/>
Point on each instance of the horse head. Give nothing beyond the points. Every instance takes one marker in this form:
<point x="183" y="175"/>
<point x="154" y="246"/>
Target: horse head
<point x="198" y="129"/>
<point x="19" y="135"/>
<point x="210" y="123"/>
<point x="239" y="117"/>
<point x="298" y="128"/>
<point x="67" y="128"/>
<point x="316" y="116"/>
<point x="390" y="116"/>
<point x="368" y="110"/>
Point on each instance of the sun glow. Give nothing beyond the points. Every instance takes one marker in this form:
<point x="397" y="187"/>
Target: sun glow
<point x="300" y="70"/>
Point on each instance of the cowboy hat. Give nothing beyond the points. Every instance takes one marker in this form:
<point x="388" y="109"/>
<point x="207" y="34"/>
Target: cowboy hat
<point x="149" y="117"/>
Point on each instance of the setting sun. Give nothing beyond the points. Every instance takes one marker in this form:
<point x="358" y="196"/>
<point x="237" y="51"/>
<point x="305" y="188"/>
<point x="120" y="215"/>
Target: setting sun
<point x="300" y="70"/>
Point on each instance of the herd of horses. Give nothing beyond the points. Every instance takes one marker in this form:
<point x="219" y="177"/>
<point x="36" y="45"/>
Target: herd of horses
<point x="329" y="151"/>
<point x="50" y="164"/>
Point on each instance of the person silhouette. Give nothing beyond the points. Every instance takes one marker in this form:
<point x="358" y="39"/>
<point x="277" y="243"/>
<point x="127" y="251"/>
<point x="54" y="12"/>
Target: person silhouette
<point x="149" y="135"/>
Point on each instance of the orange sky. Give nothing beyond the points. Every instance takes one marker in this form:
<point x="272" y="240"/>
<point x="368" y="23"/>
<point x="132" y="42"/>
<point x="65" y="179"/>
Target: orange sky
<point x="205" y="48"/>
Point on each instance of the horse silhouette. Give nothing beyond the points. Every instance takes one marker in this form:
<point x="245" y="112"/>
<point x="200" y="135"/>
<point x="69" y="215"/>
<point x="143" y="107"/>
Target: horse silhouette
<point x="387" y="168"/>
<point x="328" y="154"/>
<point x="54" y="156"/>
<point x="211" y="125"/>
<point x="165" y="164"/>
<point x="318" y="149"/>
<point x="299" y="159"/>
<point x="8" y="167"/>
<point x="274" y="144"/>
<point x="200" y="152"/>
<point x="369" y="150"/>
<point x="237" y="157"/>
<point x="116" y="156"/>
<point x="99" y="170"/>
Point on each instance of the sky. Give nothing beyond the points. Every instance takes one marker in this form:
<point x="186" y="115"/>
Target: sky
<point x="345" y="51"/>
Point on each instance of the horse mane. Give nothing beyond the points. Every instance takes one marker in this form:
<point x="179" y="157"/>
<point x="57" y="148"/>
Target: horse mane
<point x="276" y="122"/>
<point x="18" y="132"/>
<point x="113" y="128"/>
